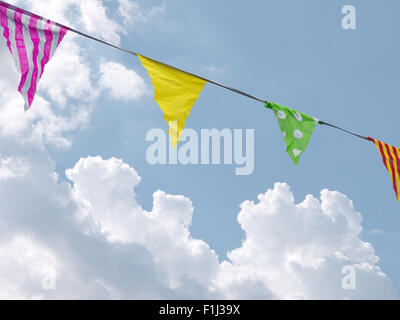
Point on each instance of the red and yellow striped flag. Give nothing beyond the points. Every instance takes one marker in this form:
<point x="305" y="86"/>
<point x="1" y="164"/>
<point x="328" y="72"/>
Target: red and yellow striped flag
<point x="391" y="159"/>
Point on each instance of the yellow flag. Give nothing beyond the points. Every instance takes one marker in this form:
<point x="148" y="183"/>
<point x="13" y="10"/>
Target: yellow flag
<point x="175" y="92"/>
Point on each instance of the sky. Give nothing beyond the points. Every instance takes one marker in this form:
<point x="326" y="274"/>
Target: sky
<point x="84" y="215"/>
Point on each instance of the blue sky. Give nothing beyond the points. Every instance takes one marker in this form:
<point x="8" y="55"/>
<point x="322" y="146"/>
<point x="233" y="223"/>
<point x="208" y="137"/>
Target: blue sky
<point x="291" y="52"/>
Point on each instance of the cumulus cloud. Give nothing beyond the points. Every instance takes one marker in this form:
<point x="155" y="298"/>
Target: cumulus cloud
<point x="68" y="75"/>
<point x="13" y="167"/>
<point x="95" y="251"/>
<point x="167" y="237"/>
<point x="95" y="18"/>
<point x="23" y="263"/>
<point x="41" y="124"/>
<point x="122" y="83"/>
<point x="68" y="80"/>
<point x="299" y="250"/>
<point x="94" y="237"/>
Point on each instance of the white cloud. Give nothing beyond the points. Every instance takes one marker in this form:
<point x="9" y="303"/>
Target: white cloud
<point x="94" y="17"/>
<point x="40" y="124"/>
<point x="91" y="14"/>
<point x="13" y="167"/>
<point x="68" y="75"/>
<point x="122" y="83"/>
<point x="94" y="251"/>
<point x="298" y="250"/>
<point x="167" y="237"/>
<point x="24" y="264"/>
<point x="131" y="12"/>
<point x="100" y="243"/>
<point x="67" y="80"/>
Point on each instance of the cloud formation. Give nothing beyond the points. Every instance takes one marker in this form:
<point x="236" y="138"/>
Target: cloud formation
<point x="299" y="250"/>
<point x="123" y="84"/>
<point x="93" y="239"/>
<point x="78" y="87"/>
<point x="12" y="167"/>
<point x="96" y="21"/>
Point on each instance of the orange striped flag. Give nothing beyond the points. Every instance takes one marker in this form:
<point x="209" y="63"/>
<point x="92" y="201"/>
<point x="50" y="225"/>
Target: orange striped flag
<point x="391" y="159"/>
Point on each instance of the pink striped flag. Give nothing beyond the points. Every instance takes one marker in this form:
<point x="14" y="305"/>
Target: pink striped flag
<point x="32" y="42"/>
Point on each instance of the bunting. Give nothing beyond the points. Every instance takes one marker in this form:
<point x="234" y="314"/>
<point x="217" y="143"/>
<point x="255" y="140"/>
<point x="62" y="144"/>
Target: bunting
<point x="32" y="42"/>
<point x="175" y="92"/>
<point x="391" y="159"/>
<point x="296" y="128"/>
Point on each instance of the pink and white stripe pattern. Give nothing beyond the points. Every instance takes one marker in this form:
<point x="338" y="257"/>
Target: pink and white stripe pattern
<point x="32" y="43"/>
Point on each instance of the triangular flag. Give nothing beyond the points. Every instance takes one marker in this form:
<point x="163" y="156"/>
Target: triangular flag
<point x="391" y="159"/>
<point x="296" y="127"/>
<point x="32" y="43"/>
<point x="175" y="92"/>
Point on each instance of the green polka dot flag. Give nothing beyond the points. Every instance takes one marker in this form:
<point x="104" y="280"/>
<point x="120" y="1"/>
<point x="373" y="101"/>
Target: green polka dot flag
<point x="296" y="128"/>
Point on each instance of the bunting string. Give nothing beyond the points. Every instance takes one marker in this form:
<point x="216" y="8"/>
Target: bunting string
<point x="32" y="41"/>
<point x="248" y="95"/>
